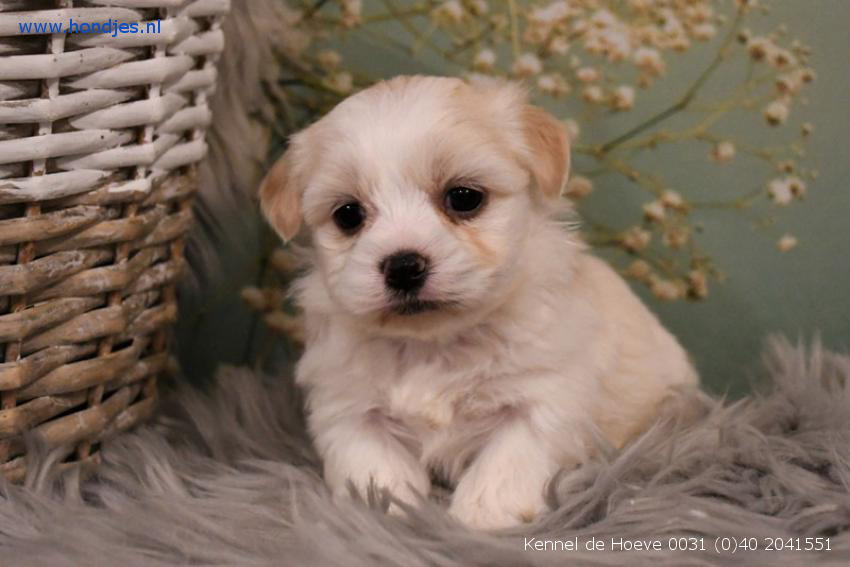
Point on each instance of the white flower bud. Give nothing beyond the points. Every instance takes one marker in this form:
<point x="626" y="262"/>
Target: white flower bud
<point x="527" y="64"/>
<point x="593" y="94"/>
<point x="723" y="152"/>
<point x="697" y="284"/>
<point x="776" y="112"/>
<point x="635" y="239"/>
<point x="449" y="12"/>
<point x="578" y="186"/>
<point x="780" y="191"/>
<point x="329" y="59"/>
<point x="624" y="97"/>
<point x="484" y="60"/>
<point x="786" y="243"/>
<point x="666" y="290"/>
<point x="654" y="211"/>
<point x="588" y="75"/>
<point x="639" y="270"/>
<point x="341" y="82"/>
<point x="704" y="32"/>
<point x="673" y="200"/>
<point x="649" y="60"/>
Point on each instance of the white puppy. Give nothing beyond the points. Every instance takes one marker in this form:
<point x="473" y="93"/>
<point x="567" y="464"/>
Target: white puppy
<point x="454" y="327"/>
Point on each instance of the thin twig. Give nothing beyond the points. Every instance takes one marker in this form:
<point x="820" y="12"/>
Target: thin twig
<point x="684" y="101"/>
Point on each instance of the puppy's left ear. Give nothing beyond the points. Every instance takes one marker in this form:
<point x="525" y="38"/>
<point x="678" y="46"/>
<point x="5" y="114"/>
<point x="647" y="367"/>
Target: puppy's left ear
<point x="549" y="151"/>
<point x="280" y="197"/>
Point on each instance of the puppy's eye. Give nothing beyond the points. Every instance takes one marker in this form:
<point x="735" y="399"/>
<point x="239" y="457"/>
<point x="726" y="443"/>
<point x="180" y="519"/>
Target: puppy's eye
<point x="463" y="201"/>
<point x="349" y="217"/>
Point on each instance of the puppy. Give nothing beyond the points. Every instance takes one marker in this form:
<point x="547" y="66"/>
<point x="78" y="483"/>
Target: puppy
<point x="454" y="328"/>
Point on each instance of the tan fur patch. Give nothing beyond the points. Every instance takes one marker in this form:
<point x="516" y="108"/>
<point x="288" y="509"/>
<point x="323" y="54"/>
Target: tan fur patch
<point x="280" y="199"/>
<point x="485" y="253"/>
<point x="550" y="149"/>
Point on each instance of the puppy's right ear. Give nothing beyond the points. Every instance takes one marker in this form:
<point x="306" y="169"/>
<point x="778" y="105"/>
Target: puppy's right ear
<point x="280" y="198"/>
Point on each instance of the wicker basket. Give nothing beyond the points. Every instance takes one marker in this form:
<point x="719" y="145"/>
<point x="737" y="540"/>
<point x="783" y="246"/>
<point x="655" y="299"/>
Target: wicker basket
<point x="100" y="135"/>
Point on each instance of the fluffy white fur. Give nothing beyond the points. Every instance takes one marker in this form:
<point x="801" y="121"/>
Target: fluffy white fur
<point x="538" y="353"/>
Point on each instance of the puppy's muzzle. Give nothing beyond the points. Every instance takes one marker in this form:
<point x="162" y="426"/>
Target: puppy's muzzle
<point x="405" y="271"/>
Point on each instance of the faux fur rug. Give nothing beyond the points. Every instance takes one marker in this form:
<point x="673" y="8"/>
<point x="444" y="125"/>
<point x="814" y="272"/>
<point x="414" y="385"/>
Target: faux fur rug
<point x="228" y="479"/>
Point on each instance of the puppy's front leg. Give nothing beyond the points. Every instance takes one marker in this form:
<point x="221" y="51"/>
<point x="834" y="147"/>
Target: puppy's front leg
<point x="363" y="451"/>
<point x="504" y="485"/>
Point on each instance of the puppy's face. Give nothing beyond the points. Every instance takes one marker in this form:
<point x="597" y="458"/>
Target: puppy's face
<point x="419" y="194"/>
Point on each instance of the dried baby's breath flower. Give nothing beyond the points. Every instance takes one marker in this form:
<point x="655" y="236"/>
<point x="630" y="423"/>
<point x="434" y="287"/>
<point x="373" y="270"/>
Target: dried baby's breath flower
<point x="676" y="236"/>
<point x="780" y="58"/>
<point x="776" y="112"/>
<point x="760" y="48"/>
<point x="704" y="32"/>
<point x="448" y="13"/>
<point x="558" y="45"/>
<point x="672" y="26"/>
<point x="797" y="186"/>
<point x="352" y="11"/>
<point x="807" y="75"/>
<point x="341" y="82"/>
<point x="697" y="284"/>
<point x="639" y="270"/>
<point x="649" y="60"/>
<point x="635" y="239"/>
<point x="613" y="43"/>
<point x="254" y="298"/>
<point x="680" y="43"/>
<point x="588" y="75"/>
<point x="786" y="166"/>
<point x="666" y="290"/>
<point x="484" y="60"/>
<point x="593" y="94"/>
<point x="723" y="152"/>
<point x="527" y="64"/>
<point x="624" y="97"/>
<point x="478" y="7"/>
<point x="641" y="5"/>
<point x="329" y="59"/>
<point x="780" y="191"/>
<point x="603" y="19"/>
<point x="786" y="243"/>
<point x="654" y="211"/>
<point x="788" y="84"/>
<point x="673" y="200"/>
<point x="578" y="186"/>
<point x="553" y="84"/>
<point x="550" y="14"/>
<point x="698" y="13"/>
<point x="745" y="5"/>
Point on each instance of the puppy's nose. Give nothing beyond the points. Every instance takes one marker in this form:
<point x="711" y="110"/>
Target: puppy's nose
<point x="405" y="271"/>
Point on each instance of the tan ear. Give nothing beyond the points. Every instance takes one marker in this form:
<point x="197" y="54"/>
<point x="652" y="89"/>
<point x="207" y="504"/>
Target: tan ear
<point x="280" y="198"/>
<point x="549" y="145"/>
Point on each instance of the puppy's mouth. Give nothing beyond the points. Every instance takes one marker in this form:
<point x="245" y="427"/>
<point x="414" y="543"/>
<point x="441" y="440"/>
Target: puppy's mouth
<point x="414" y="306"/>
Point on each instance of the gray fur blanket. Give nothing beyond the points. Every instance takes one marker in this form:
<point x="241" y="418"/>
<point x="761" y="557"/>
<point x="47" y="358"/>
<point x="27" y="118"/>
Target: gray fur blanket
<point x="229" y="479"/>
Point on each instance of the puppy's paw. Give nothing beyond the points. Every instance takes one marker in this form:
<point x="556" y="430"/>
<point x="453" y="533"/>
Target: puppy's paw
<point x="490" y="504"/>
